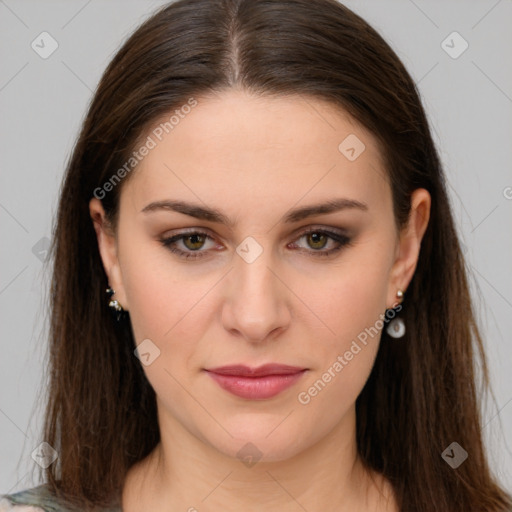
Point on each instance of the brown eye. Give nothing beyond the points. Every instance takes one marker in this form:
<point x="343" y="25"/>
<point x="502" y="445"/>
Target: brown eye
<point x="320" y="242"/>
<point x="317" y="240"/>
<point x="194" y="241"/>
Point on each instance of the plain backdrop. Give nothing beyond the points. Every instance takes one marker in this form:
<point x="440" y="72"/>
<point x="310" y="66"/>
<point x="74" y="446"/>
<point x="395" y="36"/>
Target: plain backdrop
<point x="468" y="97"/>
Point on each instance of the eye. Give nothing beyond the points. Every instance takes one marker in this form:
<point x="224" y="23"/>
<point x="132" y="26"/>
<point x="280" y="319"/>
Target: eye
<point x="318" y="240"/>
<point x="192" y="242"/>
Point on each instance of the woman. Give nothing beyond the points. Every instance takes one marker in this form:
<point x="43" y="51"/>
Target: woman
<point x="259" y="299"/>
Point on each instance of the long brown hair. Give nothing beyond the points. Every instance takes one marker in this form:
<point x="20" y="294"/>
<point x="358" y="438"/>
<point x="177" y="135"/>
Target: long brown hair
<point x="422" y="393"/>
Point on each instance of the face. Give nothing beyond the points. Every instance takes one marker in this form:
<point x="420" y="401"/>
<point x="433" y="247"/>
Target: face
<point x="253" y="268"/>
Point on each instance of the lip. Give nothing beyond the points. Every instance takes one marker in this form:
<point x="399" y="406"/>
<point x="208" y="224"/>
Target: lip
<point x="258" y="383"/>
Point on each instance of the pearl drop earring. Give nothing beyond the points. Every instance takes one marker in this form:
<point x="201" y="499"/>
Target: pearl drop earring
<point x="396" y="327"/>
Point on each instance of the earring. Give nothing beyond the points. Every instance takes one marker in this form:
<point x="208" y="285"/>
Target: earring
<point x="114" y="304"/>
<point x="396" y="327"/>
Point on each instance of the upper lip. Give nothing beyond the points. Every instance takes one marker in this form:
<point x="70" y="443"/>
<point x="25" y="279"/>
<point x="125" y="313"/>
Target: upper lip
<point x="260" y="371"/>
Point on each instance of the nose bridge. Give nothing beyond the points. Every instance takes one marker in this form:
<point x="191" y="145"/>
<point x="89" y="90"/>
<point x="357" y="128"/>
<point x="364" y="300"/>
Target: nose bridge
<point x="256" y="304"/>
<point x="255" y="278"/>
<point x="252" y="263"/>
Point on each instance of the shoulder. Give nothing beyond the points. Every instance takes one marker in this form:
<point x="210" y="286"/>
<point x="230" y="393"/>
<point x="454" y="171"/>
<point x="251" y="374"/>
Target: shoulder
<point x="35" y="499"/>
<point x="39" y="499"/>
<point x="7" y="506"/>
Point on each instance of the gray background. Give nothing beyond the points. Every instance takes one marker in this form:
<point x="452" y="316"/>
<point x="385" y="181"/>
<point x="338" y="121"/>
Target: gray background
<point x="42" y="102"/>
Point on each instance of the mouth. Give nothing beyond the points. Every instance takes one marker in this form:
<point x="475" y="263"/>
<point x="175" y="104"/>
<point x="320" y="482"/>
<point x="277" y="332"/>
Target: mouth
<point x="259" y="383"/>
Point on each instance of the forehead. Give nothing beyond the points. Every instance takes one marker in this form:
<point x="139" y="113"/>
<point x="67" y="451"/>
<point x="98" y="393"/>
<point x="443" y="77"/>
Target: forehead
<point x="245" y="147"/>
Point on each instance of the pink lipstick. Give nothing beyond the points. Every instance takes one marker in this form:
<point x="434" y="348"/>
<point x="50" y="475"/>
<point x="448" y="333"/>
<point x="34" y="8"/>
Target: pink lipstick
<point x="258" y="383"/>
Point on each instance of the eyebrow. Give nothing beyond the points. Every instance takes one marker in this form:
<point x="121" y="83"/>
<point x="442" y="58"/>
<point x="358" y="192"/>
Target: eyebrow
<point x="214" y="215"/>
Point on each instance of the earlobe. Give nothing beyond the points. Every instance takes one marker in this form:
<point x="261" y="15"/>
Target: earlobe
<point x="410" y="243"/>
<point x="107" y="247"/>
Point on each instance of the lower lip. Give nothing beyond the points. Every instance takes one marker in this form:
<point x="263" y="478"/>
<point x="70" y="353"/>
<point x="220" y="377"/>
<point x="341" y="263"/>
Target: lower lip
<point x="256" y="388"/>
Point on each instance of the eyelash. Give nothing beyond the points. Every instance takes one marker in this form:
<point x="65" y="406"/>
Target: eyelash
<point x="341" y="239"/>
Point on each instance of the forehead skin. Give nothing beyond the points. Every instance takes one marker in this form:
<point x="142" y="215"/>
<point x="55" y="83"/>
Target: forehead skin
<point x="238" y="151"/>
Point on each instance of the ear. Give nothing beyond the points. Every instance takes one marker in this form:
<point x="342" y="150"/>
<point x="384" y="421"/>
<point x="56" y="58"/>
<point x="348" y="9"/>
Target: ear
<point x="409" y="244"/>
<point x="107" y="245"/>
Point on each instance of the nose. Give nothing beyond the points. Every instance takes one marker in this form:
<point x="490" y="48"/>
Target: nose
<point x="256" y="304"/>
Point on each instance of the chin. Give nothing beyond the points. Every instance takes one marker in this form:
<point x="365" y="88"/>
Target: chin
<point x="253" y="444"/>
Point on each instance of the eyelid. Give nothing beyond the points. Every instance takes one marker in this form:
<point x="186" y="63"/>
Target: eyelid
<point x="319" y="228"/>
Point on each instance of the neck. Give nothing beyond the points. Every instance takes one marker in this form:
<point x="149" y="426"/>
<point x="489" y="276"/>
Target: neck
<point x="185" y="473"/>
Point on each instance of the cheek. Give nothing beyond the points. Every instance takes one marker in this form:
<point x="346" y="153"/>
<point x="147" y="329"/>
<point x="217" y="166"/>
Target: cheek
<point x="158" y="297"/>
<point x="352" y="299"/>
<point x="351" y="305"/>
<point x="343" y="360"/>
<point x="165" y="308"/>
<point x="148" y="296"/>
<point x="330" y="394"/>
<point x="161" y="310"/>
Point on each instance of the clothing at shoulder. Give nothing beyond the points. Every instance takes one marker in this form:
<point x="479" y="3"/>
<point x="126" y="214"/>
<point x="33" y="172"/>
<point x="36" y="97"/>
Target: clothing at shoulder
<point x="36" y="499"/>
